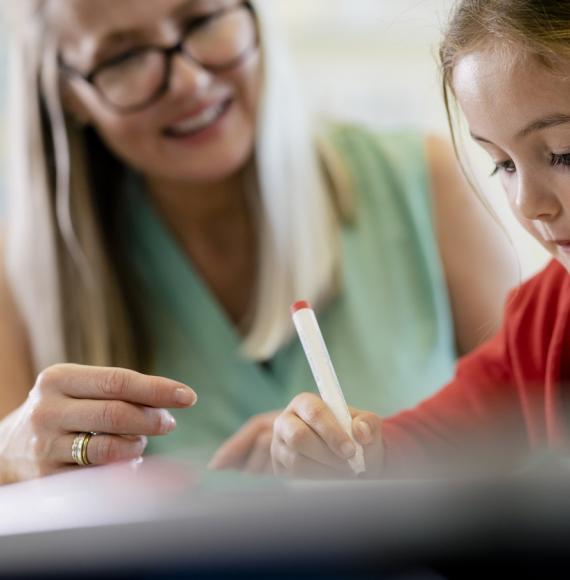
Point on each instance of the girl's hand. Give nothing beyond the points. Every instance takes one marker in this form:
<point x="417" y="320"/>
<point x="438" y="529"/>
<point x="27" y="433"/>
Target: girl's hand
<point x="120" y="405"/>
<point x="249" y="449"/>
<point x="309" y="442"/>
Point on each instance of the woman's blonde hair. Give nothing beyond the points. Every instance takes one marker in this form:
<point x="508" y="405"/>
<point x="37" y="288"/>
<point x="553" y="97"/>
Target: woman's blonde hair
<point x="61" y="264"/>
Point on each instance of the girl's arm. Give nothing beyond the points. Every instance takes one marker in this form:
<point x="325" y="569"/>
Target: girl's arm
<point x="475" y="424"/>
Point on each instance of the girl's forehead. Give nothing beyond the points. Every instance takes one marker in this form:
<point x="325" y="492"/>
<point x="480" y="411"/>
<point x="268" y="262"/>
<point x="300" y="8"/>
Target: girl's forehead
<point x="523" y="73"/>
<point x="501" y="99"/>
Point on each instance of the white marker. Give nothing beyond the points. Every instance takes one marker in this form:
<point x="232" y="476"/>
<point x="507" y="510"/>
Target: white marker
<point x="323" y="371"/>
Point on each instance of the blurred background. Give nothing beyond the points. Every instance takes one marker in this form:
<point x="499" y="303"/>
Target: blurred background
<point x="372" y="61"/>
<point x="375" y="61"/>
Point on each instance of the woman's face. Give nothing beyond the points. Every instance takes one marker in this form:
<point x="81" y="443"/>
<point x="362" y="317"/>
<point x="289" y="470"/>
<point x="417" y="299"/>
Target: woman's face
<point x="202" y="129"/>
<point x="519" y="112"/>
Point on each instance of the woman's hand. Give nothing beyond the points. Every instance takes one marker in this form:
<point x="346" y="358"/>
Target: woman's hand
<point x="249" y="449"/>
<point x="309" y="442"/>
<point x="120" y="405"/>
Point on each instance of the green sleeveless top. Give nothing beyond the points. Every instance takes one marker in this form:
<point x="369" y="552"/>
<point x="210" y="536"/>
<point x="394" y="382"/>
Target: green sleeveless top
<point x="389" y="331"/>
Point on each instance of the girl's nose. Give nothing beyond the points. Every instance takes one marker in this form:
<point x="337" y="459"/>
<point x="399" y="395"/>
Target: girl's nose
<point x="536" y="199"/>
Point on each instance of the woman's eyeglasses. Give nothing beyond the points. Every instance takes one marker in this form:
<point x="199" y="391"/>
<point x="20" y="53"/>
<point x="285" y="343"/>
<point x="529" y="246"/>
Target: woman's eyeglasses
<point x="218" y="42"/>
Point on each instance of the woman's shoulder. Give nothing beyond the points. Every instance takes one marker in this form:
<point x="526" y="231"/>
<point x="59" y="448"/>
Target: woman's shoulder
<point x="367" y="141"/>
<point x="368" y="164"/>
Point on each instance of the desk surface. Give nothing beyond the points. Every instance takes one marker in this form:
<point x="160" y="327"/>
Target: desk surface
<point x="165" y="515"/>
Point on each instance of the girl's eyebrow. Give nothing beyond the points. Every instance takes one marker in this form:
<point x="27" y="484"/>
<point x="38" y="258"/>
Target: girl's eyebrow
<point x="538" y="125"/>
<point x="544" y="123"/>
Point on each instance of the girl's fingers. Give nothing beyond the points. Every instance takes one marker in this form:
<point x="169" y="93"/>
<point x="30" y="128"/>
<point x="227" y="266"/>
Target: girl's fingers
<point x="300" y="439"/>
<point x="287" y="462"/>
<point x="315" y="413"/>
<point x="101" y="449"/>
<point x="115" y="417"/>
<point x="367" y="430"/>
<point x="84" y="382"/>
<point x="366" y="427"/>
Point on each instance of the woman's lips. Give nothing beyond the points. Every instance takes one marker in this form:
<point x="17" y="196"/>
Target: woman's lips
<point x="198" y="120"/>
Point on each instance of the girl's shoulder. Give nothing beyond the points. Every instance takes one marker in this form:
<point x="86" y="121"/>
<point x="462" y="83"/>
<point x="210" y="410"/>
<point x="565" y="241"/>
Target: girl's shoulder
<point x="540" y="307"/>
<point x="549" y="287"/>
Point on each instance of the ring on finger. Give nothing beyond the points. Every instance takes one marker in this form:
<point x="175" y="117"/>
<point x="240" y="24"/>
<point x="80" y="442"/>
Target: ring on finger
<point x="79" y="448"/>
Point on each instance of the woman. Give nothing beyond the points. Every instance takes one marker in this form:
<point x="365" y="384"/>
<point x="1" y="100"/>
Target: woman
<point x="508" y="65"/>
<point x="168" y="203"/>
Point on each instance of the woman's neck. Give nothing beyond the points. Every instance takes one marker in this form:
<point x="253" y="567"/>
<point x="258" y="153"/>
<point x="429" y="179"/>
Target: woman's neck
<point x="199" y="208"/>
<point x="215" y="227"/>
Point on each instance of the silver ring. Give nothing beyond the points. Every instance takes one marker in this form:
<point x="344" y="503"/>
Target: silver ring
<point x="79" y="448"/>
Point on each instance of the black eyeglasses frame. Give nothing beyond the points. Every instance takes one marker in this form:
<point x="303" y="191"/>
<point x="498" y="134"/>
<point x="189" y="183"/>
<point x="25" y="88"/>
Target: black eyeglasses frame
<point x="168" y="52"/>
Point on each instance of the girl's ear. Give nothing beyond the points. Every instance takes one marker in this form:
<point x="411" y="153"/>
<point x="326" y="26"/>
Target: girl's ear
<point x="73" y="104"/>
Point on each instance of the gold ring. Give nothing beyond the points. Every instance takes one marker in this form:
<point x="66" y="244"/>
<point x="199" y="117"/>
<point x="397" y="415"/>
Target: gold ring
<point x="79" y="448"/>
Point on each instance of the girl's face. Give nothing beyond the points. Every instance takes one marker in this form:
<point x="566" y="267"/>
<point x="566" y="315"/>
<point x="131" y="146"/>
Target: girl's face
<point x="202" y="128"/>
<point x="519" y="112"/>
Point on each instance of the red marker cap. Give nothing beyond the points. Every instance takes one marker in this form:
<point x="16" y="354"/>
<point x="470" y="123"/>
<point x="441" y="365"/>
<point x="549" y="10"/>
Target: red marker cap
<point x="300" y="305"/>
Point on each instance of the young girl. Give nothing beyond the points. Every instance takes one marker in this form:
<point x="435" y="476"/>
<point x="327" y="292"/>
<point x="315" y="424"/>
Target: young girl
<point x="167" y="204"/>
<point x="508" y="65"/>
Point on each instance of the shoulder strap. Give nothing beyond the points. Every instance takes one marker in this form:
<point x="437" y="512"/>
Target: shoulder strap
<point x="338" y="177"/>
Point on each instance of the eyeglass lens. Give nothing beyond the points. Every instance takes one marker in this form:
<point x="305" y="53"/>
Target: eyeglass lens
<point x="214" y="43"/>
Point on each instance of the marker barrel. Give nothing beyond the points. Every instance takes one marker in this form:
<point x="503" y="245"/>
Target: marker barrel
<point x="323" y="371"/>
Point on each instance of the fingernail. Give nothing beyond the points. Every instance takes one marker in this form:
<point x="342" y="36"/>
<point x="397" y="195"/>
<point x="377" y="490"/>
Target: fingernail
<point x="347" y="449"/>
<point x="170" y="422"/>
<point x="184" y="396"/>
<point x="365" y="431"/>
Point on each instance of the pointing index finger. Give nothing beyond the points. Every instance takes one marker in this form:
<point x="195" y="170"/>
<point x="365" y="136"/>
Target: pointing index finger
<point x="126" y="385"/>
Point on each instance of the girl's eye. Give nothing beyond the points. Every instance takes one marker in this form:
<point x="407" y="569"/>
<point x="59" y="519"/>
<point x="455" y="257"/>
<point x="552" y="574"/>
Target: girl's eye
<point x="562" y="159"/>
<point x="506" y="166"/>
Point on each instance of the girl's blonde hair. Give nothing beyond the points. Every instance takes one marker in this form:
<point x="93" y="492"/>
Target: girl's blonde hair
<point x="69" y="283"/>
<point x="537" y="28"/>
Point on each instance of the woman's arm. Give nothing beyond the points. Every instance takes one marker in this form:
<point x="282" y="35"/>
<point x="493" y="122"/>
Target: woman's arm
<point x="478" y="260"/>
<point x="40" y="416"/>
<point x="16" y="374"/>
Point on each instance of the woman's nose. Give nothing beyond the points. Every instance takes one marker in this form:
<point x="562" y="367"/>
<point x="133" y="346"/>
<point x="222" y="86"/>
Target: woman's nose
<point x="536" y="199"/>
<point x="187" y="76"/>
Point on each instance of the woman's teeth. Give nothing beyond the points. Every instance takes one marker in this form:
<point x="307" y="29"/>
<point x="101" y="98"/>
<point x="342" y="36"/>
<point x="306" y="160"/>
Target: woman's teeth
<point x="197" y="123"/>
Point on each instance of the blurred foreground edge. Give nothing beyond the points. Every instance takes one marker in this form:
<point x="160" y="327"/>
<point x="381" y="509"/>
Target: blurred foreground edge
<point x="168" y="520"/>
